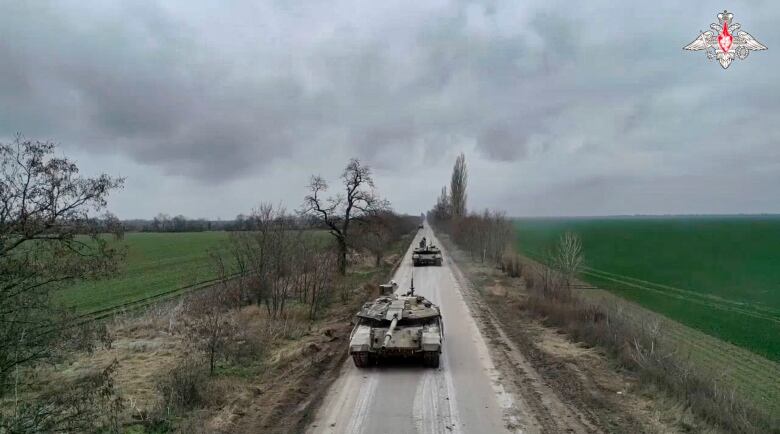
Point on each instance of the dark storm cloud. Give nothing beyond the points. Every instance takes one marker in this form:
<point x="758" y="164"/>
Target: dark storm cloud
<point x="131" y="81"/>
<point x="571" y="96"/>
<point x="503" y="142"/>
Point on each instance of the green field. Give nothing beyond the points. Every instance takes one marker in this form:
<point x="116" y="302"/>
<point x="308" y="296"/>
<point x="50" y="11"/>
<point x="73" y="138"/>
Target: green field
<point x="155" y="263"/>
<point x="720" y="275"/>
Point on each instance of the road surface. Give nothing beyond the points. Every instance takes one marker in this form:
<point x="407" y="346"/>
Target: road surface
<point x="463" y="396"/>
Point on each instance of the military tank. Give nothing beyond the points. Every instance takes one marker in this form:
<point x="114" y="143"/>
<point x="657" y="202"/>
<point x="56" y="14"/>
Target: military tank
<point x="426" y="254"/>
<point x="397" y="325"/>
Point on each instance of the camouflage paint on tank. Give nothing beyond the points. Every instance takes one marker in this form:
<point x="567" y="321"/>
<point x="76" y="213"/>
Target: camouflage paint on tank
<point x="397" y="325"/>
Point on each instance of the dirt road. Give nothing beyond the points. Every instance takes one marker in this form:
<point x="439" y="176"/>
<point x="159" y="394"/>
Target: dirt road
<point x="464" y="395"/>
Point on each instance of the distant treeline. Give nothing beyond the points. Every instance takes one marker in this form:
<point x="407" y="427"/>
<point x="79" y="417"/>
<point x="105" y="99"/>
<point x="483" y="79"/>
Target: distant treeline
<point x="179" y="223"/>
<point x="242" y="222"/>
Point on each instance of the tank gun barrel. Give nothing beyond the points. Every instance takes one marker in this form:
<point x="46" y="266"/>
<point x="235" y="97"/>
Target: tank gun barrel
<point x="389" y="333"/>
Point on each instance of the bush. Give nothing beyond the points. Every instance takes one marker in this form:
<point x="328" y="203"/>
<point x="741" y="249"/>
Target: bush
<point x="248" y="346"/>
<point x="209" y="325"/>
<point x="89" y="404"/>
<point x="511" y="264"/>
<point x="290" y="325"/>
<point x="184" y="387"/>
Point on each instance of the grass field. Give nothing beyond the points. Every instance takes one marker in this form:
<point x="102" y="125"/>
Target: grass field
<point x="720" y="275"/>
<point x="156" y="263"/>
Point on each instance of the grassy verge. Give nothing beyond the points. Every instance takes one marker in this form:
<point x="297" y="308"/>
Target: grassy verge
<point x="665" y="355"/>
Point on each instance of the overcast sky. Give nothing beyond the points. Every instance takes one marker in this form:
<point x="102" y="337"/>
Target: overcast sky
<point x="209" y="108"/>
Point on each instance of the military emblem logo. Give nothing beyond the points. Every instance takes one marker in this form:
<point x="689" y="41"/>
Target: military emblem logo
<point x="725" y="41"/>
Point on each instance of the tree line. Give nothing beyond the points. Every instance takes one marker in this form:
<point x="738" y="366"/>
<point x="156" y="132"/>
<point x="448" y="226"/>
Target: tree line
<point x="281" y="260"/>
<point x="486" y="235"/>
<point x="489" y="236"/>
<point x="179" y="223"/>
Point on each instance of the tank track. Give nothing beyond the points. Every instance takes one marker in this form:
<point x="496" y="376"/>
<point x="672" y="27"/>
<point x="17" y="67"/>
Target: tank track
<point x="362" y="359"/>
<point x="431" y="359"/>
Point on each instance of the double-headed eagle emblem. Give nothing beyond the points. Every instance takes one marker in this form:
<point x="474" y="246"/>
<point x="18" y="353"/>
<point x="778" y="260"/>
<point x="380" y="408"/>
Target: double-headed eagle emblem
<point x="725" y="41"/>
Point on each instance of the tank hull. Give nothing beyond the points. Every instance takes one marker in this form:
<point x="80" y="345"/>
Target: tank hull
<point x="429" y="255"/>
<point x="422" y="260"/>
<point x="419" y="342"/>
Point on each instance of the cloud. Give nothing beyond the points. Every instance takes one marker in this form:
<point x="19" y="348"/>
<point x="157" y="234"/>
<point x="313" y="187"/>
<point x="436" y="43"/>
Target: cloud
<point x="570" y="96"/>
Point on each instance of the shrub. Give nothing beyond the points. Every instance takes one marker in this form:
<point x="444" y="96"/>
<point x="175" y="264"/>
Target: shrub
<point x="511" y="264"/>
<point x="209" y="325"/>
<point x="248" y="345"/>
<point x="89" y="404"/>
<point x="184" y="387"/>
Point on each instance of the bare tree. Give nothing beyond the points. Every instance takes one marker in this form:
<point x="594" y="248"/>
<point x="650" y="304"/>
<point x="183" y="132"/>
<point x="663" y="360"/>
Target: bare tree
<point x="500" y="234"/>
<point x="277" y="261"/>
<point x="161" y="222"/>
<point x="487" y="235"/>
<point x="281" y="267"/>
<point x="321" y="282"/>
<point x="458" y="184"/>
<point x="375" y="235"/>
<point x="549" y="281"/>
<point x="568" y="258"/>
<point x="263" y="257"/>
<point x="48" y="239"/>
<point x="179" y="223"/>
<point x="337" y="213"/>
<point x="451" y="206"/>
<point x="442" y="210"/>
<point x="209" y="325"/>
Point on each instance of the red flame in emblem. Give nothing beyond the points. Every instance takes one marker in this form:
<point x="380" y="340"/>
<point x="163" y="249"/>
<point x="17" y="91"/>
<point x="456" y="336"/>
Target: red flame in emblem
<point x="725" y="39"/>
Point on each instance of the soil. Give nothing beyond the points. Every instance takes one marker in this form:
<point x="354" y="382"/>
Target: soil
<point x="283" y="397"/>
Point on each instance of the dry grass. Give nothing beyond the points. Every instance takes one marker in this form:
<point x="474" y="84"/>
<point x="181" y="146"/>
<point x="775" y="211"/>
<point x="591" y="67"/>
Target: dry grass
<point x="269" y="376"/>
<point x="638" y="345"/>
<point x="511" y="263"/>
<point x="166" y="387"/>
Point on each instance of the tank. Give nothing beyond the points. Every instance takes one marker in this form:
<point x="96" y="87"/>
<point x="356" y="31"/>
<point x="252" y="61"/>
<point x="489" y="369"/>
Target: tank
<point x="426" y="254"/>
<point x="397" y="325"/>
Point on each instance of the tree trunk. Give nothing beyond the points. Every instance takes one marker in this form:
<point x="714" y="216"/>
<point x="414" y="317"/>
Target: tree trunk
<point x="342" y="257"/>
